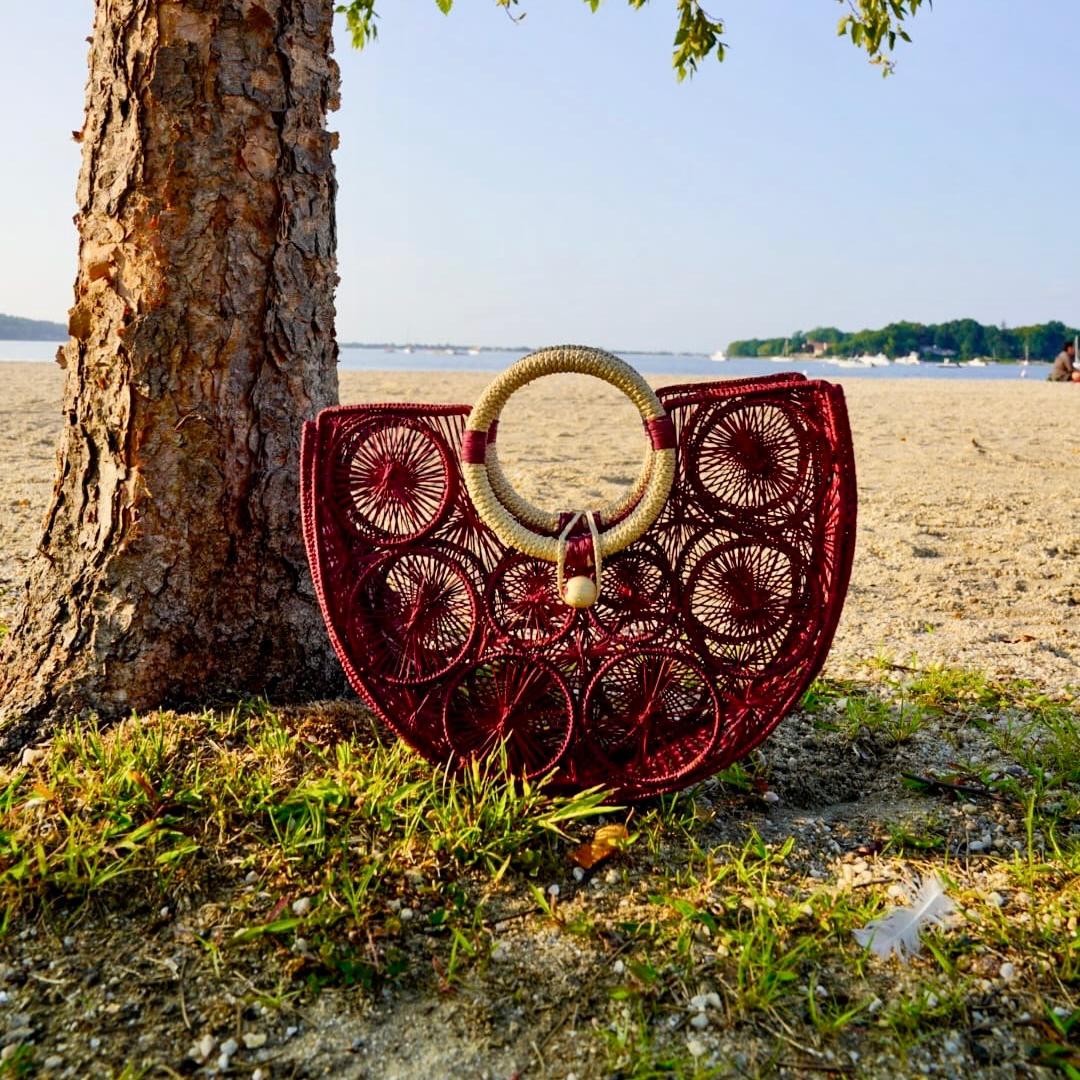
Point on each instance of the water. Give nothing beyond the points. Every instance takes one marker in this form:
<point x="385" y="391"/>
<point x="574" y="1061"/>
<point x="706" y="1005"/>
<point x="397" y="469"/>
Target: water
<point x="661" y="365"/>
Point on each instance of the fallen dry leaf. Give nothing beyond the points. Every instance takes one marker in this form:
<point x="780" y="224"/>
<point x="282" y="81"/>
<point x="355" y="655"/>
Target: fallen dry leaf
<point x="605" y="842"/>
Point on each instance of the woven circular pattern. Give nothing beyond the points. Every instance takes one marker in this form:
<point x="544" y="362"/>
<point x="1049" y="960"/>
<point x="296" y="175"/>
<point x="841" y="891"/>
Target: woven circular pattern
<point x="392" y="484"/>
<point x="522" y="702"/>
<point x="747" y="599"/>
<point x="748" y="455"/>
<point x="649" y="717"/>
<point x="657" y="475"/>
<point x="523" y="601"/>
<point x="413" y="613"/>
<point x="637" y="601"/>
<point x="706" y="629"/>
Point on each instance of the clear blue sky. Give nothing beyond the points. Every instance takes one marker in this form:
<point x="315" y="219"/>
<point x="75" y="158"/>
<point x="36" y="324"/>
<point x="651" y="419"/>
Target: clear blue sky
<point x="550" y="181"/>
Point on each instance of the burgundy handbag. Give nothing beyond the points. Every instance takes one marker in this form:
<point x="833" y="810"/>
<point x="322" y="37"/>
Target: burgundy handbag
<point x="641" y="646"/>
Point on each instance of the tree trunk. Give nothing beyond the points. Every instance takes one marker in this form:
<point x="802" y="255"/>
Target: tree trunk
<point x="171" y="568"/>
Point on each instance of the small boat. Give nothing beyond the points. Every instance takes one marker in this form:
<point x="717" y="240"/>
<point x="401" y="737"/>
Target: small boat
<point x="718" y="355"/>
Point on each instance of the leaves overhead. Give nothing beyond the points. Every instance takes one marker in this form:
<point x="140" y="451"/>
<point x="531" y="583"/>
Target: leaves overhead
<point x="873" y="25"/>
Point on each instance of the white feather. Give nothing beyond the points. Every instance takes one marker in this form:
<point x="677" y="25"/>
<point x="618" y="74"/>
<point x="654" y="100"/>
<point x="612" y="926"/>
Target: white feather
<point x="898" y="929"/>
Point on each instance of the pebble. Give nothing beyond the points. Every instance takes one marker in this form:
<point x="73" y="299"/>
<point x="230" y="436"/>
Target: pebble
<point x="254" y="1039"/>
<point x="251" y="878"/>
<point x="53" y="1061"/>
<point x="1007" y="970"/>
<point x="500" y="953"/>
<point x="302" y="906"/>
<point x="618" y="967"/>
<point x="771" y="797"/>
<point x="204" y="1047"/>
<point x="699" y="1020"/>
<point x="407" y="914"/>
<point x="695" y="1047"/>
<point x="258" y="1074"/>
<point x="229" y="1047"/>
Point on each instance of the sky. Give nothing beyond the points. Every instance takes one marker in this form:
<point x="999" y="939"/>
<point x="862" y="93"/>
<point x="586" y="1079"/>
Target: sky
<point x="548" y="180"/>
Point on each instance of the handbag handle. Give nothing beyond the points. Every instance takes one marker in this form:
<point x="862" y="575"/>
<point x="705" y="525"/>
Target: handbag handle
<point x="479" y="464"/>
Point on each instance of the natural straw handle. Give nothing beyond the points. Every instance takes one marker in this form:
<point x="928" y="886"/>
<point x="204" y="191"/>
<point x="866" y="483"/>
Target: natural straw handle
<point x="658" y="473"/>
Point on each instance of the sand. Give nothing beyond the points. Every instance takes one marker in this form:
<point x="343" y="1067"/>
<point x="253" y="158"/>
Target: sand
<point x="967" y="551"/>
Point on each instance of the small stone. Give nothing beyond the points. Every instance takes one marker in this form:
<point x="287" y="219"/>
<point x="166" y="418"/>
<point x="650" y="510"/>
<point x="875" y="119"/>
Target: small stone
<point x="699" y="1020"/>
<point x="302" y="906"/>
<point x="229" y="1047"/>
<point x="258" y="1074"/>
<point x="695" y="1047"/>
<point x="223" y="1062"/>
<point x="500" y="954"/>
<point x="164" y="912"/>
<point x="713" y="999"/>
<point x="618" y="967"/>
<point x="406" y="914"/>
<point x="300" y="946"/>
<point x="8" y="1051"/>
<point x="771" y="797"/>
<point x="69" y="942"/>
<point x="290" y="1032"/>
<point x="254" y="1039"/>
<point x="53" y="1061"/>
<point x="250" y="878"/>
<point x="204" y="1047"/>
<point x="95" y="1043"/>
<point x="1007" y="971"/>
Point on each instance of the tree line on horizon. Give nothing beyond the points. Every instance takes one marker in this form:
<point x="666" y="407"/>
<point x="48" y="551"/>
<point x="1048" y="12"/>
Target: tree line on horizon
<point x="962" y="338"/>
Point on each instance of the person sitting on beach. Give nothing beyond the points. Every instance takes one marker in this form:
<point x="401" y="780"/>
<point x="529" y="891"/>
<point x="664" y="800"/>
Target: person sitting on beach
<point x="1064" y="369"/>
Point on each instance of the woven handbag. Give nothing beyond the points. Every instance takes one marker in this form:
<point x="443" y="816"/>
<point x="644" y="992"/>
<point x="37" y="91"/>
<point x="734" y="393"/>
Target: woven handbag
<point x="642" y="645"/>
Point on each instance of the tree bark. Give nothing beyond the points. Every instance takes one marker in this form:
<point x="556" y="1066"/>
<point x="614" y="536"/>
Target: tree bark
<point x="171" y="568"/>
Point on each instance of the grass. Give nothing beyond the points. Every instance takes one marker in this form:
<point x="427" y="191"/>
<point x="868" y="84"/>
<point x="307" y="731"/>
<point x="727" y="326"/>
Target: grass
<point x="333" y="858"/>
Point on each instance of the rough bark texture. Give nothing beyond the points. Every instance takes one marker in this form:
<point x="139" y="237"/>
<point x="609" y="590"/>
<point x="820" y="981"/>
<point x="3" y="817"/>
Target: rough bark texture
<point x="171" y="567"/>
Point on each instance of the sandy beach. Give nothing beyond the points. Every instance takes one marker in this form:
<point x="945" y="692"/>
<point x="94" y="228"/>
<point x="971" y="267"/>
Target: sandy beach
<point x="967" y="543"/>
<point x="966" y="557"/>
